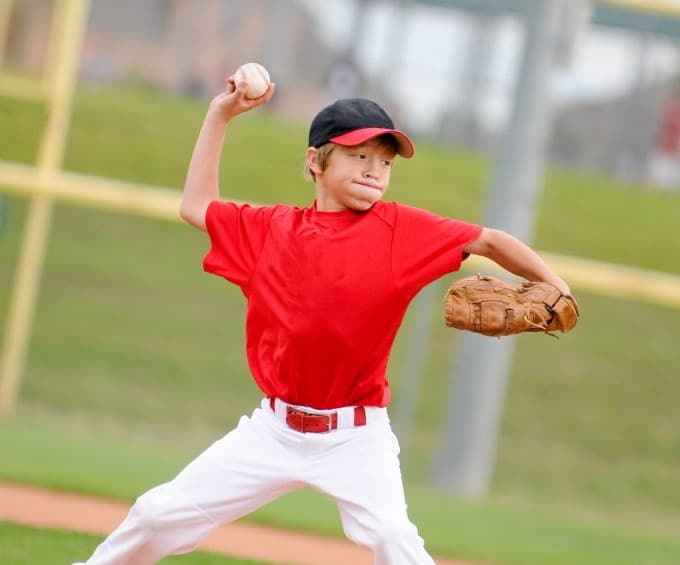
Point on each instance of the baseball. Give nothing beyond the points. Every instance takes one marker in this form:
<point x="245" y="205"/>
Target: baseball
<point x="256" y="76"/>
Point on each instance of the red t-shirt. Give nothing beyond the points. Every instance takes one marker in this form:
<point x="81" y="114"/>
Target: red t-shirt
<point x="327" y="291"/>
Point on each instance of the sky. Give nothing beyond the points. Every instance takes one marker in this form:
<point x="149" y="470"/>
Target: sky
<point x="426" y="59"/>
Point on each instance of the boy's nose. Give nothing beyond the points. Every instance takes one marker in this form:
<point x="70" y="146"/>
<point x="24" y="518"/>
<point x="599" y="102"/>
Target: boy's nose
<point x="370" y="173"/>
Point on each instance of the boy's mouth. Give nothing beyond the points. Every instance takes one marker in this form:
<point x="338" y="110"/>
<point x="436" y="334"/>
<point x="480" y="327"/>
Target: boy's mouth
<point x="369" y="185"/>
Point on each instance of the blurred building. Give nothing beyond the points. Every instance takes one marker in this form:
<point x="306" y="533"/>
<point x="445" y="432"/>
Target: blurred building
<point x="616" y="136"/>
<point x="190" y="47"/>
<point x="453" y="74"/>
<point x="28" y="34"/>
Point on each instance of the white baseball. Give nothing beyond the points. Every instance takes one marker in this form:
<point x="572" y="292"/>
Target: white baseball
<point x="256" y="76"/>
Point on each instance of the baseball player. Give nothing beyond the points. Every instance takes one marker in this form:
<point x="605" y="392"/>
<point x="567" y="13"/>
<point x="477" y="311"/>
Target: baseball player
<point x="327" y="287"/>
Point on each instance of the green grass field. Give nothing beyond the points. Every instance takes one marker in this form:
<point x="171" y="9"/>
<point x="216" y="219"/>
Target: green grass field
<point x="137" y="363"/>
<point x="27" y="546"/>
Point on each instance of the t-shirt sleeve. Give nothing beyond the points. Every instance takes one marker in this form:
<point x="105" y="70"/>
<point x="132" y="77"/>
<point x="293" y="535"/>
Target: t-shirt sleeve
<point x="427" y="246"/>
<point x="237" y="235"/>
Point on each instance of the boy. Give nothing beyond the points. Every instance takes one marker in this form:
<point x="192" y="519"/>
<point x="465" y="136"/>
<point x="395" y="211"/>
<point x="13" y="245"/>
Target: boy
<point x="327" y="287"/>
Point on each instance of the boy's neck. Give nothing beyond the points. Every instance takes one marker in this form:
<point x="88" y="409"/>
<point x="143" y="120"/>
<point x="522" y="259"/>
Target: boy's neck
<point x="328" y="207"/>
<point x="325" y="203"/>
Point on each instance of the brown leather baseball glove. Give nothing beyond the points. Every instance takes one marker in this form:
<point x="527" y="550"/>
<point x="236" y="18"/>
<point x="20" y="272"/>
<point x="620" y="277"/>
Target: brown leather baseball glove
<point x="494" y="307"/>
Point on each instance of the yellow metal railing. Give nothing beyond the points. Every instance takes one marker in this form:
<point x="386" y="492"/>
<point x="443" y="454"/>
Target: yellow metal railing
<point x="661" y="7"/>
<point x="92" y="192"/>
<point x="66" y="34"/>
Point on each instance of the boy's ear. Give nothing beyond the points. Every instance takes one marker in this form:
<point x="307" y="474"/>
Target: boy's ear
<point x="312" y="165"/>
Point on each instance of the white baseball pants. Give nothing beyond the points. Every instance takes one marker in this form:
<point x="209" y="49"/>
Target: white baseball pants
<point x="260" y="460"/>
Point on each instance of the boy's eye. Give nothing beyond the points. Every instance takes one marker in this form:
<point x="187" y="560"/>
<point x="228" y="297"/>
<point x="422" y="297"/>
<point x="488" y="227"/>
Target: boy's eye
<point x="359" y="155"/>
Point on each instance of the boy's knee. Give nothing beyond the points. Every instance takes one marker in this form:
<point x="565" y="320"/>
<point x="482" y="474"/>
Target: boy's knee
<point x="153" y="509"/>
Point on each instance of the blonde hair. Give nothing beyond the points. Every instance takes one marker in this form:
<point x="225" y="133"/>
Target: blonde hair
<point x="321" y="158"/>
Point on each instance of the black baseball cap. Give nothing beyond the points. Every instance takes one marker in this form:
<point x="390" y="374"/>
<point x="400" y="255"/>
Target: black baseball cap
<point x="352" y="121"/>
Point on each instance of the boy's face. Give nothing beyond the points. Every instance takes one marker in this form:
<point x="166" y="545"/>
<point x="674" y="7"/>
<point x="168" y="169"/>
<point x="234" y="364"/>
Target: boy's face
<point x="355" y="177"/>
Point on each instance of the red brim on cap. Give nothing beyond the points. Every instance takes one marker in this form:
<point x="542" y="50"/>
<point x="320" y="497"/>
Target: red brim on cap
<point x="359" y="136"/>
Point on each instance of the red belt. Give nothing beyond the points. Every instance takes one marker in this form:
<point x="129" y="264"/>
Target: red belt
<point x="307" y="422"/>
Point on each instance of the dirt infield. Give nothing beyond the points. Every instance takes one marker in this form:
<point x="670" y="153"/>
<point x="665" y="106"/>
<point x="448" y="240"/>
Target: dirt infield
<point x="36" y="507"/>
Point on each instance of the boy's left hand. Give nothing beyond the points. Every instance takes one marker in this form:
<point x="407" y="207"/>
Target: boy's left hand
<point x="562" y="285"/>
<point x="494" y="307"/>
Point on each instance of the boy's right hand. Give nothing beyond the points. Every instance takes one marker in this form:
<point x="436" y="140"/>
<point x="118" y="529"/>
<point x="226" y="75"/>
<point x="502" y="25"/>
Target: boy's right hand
<point x="233" y="101"/>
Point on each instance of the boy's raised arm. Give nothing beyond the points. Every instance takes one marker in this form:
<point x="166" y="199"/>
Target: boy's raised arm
<point x="202" y="181"/>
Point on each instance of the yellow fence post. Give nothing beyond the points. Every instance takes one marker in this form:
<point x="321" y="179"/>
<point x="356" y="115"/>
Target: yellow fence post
<point x="66" y="35"/>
